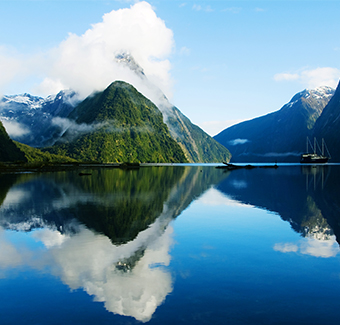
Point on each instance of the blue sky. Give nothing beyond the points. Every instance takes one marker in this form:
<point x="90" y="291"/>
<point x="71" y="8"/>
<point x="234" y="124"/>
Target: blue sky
<point x="219" y="62"/>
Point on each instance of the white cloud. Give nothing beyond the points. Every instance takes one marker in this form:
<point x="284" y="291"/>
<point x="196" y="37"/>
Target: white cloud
<point x="10" y="66"/>
<point x="87" y="62"/>
<point x="286" y="76"/>
<point x="200" y="8"/>
<point x="197" y="7"/>
<point x="50" y="86"/>
<point x="184" y="51"/>
<point x="73" y="128"/>
<point x="312" y="78"/>
<point x="286" y="247"/>
<point x="15" y="129"/>
<point x="238" y="141"/>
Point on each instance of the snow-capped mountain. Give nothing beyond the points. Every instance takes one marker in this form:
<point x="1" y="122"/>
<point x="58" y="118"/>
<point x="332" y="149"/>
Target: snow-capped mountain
<point x="127" y="60"/>
<point x="317" y="96"/>
<point x="29" y="119"/>
<point x="278" y="136"/>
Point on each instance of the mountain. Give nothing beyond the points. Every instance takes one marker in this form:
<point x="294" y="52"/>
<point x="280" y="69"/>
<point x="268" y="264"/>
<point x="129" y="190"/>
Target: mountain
<point x="30" y="119"/>
<point x="198" y="146"/>
<point x="328" y="126"/>
<point x="118" y="124"/>
<point x="278" y="136"/>
<point x="40" y="122"/>
<point x="8" y="150"/>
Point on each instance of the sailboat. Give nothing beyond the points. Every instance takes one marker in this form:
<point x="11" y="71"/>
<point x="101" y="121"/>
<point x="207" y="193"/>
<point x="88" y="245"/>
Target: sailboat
<point x="315" y="158"/>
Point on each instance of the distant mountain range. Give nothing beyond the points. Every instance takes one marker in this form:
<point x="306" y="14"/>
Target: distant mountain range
<point x="116" y="125"/>
<point x="281" y="135"/>
<point x="30" y="119"/>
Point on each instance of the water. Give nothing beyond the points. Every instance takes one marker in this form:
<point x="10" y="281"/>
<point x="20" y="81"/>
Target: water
<point x="171" y="245"/>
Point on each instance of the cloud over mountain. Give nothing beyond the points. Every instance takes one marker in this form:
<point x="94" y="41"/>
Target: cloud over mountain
<point x="87" y="62"/>
<point x="312" y="78"/>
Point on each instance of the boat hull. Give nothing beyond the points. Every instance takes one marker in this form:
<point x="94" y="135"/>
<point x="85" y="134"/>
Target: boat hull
<point x="313" y="159"/>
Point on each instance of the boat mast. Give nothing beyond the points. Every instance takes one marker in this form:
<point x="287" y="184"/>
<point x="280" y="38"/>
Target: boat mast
<point x="314" y="145"/>
<point x="307" y="145"/>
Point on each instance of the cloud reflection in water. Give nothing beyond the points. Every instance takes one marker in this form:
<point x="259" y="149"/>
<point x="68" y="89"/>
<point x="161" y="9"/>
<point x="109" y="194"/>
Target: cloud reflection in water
<point x="311" y="246"/>
<point x="90" y="261"/>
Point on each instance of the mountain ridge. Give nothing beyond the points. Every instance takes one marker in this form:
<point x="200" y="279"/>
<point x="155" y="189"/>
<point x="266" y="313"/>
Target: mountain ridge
<point x="280" y="135"/>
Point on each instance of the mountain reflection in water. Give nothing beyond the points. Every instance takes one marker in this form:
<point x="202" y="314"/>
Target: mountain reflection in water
<point x="305" y="196"/>
<point x="108" y="233"/>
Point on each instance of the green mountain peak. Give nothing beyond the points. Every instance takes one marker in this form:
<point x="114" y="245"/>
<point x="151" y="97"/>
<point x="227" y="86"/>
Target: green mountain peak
<point x="118" y="124"/>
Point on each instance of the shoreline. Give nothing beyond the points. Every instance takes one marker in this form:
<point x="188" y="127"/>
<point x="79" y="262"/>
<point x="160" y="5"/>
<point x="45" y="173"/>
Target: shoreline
<point x="38" y="167"/>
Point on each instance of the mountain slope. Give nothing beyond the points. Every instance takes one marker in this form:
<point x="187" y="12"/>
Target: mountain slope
<point x="198" y="146"/>
<point x="278" y="136"/>
<point x="118" y="125"/>
<point x="328" y="125"/>
<point x="33" y="155"/>
<point x="8" y="149"/>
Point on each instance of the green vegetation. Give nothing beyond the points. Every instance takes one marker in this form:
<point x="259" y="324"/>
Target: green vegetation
<point x="197" y="145"/>
<point x="125" y="127"/>
<point x="128" y="201"/>
<point x="35" y="155"/>
<point x="24" y="155"/>
<point x="9" y="152"/>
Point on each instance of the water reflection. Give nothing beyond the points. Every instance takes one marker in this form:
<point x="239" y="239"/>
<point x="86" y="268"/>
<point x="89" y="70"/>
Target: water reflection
<point x="304" y="196"/>
<point x="108" y="233"/>
<point x="314" y="247"/>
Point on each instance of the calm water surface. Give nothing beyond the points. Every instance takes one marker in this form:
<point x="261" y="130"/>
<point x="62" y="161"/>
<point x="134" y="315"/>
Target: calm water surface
<point x="171" y="245"/>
